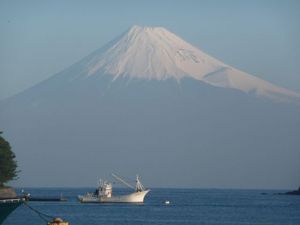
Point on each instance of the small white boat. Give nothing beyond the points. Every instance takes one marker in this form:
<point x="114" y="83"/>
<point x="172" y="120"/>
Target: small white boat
<point x="103" y="193"/>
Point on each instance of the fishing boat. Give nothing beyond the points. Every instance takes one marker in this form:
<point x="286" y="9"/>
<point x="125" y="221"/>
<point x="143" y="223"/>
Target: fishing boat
<point x="103" y="193"/>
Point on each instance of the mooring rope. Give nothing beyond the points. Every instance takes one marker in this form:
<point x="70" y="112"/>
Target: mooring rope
<point x="40" y="214"/>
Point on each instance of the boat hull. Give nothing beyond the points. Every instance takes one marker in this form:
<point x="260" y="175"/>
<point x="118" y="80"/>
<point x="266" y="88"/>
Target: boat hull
<point x="136" y="197"/>
<point x="7" y="207"/>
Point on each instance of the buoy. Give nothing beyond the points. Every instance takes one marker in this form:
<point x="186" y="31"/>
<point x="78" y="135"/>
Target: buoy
<point x="167" y="202"/>
<point x="58" y="221"/>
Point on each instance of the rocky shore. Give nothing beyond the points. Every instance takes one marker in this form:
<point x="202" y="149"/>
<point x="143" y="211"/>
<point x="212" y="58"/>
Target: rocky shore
<point x="296" y="192"/>
<point x="7" y="192"/>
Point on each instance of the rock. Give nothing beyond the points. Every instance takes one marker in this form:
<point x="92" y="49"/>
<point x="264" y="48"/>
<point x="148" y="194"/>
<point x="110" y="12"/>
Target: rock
<point x="296" y="192"/>
<point x="7" y="192"/>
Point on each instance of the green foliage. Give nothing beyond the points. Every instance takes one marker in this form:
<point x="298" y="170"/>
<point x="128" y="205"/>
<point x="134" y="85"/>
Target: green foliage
<point x="8" y="164"/>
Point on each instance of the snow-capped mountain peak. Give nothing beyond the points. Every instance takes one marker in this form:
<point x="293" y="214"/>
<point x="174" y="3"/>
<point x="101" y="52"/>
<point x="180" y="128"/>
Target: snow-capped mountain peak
<point x="156" y="53"/>
<point x="153" y="53"/>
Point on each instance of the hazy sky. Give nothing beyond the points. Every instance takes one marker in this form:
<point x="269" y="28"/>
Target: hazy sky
<point x="40" y="38"/>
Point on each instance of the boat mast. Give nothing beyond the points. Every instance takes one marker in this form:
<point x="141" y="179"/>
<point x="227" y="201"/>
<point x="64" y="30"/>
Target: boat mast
<point x="139" y="186"/>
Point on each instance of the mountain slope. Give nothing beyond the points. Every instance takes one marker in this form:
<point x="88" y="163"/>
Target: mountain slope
<point x="192" y="135"/>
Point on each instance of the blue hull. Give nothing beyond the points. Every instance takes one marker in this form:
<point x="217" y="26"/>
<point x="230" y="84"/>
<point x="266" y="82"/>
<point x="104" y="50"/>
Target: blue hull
<point x="6" y="208"/>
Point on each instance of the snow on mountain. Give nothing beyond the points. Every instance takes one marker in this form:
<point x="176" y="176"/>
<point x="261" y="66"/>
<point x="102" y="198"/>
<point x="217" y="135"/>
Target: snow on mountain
<point x="156" y="53"/>
<point x="153" y="53"/>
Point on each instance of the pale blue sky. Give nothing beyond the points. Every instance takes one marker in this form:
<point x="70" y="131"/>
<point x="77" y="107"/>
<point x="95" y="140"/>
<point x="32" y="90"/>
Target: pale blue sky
<point x="40" y="38"/>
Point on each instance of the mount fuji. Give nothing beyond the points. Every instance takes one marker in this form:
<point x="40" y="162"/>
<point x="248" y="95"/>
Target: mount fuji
<point x="148" y="102"/>
<point x="154" y="53"/>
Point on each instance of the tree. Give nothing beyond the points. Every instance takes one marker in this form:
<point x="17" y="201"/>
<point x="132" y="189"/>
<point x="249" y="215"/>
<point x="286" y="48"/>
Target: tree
<point x="8" y="164"/>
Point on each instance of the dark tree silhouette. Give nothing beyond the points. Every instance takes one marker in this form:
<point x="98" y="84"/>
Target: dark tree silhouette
<point x="8" y="164"/>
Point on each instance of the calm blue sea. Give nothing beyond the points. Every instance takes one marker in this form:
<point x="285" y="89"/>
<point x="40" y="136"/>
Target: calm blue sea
<point x="187" y="207"/>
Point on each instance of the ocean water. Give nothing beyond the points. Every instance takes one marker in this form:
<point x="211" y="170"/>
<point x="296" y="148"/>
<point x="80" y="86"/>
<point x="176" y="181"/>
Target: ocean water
<point x="187" y="207"/>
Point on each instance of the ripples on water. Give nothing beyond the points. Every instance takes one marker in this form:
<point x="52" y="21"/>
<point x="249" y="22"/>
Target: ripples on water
<point x="187" y="207"/>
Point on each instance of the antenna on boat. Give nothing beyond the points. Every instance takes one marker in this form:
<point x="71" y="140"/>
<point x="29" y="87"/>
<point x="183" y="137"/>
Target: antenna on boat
<point x="123" y="181"/>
